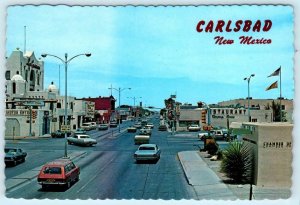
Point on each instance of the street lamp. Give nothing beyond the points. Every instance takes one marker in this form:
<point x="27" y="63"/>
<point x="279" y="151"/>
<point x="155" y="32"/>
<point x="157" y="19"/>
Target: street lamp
<point x="66" y="61"/>
<point x="248" y="80"/>
<point x="134" y="98"/>
<point x="119" y="90"/>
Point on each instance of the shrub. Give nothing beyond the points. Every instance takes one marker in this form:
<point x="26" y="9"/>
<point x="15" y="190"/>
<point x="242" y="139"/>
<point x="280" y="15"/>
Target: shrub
<point x="237" y="162"/>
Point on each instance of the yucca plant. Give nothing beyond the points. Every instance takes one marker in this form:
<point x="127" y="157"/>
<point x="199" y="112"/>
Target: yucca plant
<point x="237" y="162"/>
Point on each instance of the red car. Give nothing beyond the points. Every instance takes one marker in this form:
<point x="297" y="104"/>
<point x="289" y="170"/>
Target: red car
<point x="61" y="172"/>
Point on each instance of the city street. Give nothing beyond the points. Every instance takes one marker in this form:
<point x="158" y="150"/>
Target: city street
<point x="108" y="170"/>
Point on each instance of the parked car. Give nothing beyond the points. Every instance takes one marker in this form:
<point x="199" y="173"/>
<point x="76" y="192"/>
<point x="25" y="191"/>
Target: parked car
<point x="131" y="129"/>
<point x="103" y="127"/>
<point x="83" y="140"/>
<point x="14" y="155"/>
<point x="194" y="128"/>
<point x="57" y="134"/>
<point x="79" y="131"/>
<point x="147" y="152"/>
<point x="162" y="128"/>
<point x="61" y="172"/>
<point x="86" y="126"/>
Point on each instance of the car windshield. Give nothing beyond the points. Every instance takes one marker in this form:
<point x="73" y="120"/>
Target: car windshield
<point x="147" y="148"/>
<point x="10" y="151"/>
<point x="52" y="170"/>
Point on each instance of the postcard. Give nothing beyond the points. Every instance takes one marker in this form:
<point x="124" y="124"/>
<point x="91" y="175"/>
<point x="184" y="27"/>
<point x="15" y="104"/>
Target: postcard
<point x="160" y="103"/>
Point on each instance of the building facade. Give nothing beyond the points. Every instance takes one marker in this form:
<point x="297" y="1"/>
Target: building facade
<point x="32" y="110"/>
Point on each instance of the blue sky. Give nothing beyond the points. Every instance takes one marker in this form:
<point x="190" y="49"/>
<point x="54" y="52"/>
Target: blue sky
<point x="156" y="51"/>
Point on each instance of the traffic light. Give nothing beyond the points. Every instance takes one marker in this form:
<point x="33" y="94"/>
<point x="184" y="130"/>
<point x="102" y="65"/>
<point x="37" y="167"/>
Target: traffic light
<point x="203" y="116"/>
<point x="34" y="114"/>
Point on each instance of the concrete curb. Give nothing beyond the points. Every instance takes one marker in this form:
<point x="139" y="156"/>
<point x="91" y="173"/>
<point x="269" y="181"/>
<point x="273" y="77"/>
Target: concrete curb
<point x="183" y="167"/>
<point x="31" y="174"/>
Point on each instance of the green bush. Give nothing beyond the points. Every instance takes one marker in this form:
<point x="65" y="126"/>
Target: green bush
<point x="237" y="162"/>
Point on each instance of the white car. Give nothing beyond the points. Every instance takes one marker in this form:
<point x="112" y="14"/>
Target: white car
<point x="147" y="152"/>
<point x="84" y="140"/>
<point x="194" y="128"/>
<point x="150" y="125"/>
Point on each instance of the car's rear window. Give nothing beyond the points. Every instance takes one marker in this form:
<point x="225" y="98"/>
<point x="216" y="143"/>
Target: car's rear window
<point x="52" y="170"/>
<point x="82" y="137"/>
<point x="147" y="148"/>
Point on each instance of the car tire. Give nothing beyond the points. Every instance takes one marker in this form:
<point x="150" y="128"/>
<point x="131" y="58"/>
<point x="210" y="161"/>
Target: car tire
<point x="44" y="187"/>
<point x="68" y="185"/>
<point x="77" y="179"/>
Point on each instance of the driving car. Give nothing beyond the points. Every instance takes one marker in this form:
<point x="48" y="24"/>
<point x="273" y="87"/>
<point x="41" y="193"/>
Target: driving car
<point x="14" y="155"/>
<point x="143" y="137"/>
<point x="203" y="135"/>
<point x="103" y="127"/>
<point x="194" y="128"/>
<point x="131" y="129"/>
<point x="138" y="125"/>
<point x="162" y="128"/>
<point x="113" y="124"/>
<point x="150" y="125"/>
<point x="81" y="139"/>
<point x="147" y="152"/>
<point x="61" y="172"/>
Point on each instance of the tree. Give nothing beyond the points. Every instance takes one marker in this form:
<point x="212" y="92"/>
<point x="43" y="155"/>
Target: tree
<point x="237" y="162"/>
<point x="275" y="106"/>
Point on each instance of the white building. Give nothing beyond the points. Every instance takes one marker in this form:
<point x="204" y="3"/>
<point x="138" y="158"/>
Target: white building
<point x="31" y="110"/>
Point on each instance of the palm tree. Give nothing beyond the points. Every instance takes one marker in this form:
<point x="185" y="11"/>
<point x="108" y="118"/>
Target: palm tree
<point x="276" y="111"/>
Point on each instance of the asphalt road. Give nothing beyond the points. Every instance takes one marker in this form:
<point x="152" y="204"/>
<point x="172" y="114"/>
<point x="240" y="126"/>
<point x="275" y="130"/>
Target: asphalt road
<point x="108" y="170"/>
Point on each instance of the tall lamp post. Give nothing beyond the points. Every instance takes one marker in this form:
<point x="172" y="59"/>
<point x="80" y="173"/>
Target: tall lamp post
<point x="248" y="80"/>
<point x="134" y="98"/>
<point x="65" y="61"/>
<point x="119" y="91"/>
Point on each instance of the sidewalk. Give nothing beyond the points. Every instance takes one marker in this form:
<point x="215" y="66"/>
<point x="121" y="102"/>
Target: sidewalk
<point x="208" y="182"/>
<point x="31" y="174"/>
<point x="205" y="182"/>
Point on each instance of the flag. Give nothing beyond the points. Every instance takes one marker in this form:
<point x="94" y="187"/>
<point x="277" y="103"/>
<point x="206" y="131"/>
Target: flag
<point x="276" y="72"/>
<point x="272" y="86"/>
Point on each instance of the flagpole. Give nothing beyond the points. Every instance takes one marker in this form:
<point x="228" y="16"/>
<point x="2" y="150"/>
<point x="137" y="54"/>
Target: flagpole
<point x="280" y="96"/>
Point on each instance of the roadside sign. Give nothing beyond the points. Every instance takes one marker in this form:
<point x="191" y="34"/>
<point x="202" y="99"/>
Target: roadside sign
<point x="34" y="103"/>
<point x="65" y="128"/>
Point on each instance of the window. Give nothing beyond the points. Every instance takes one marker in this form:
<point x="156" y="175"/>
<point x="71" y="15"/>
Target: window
<point x="58" y="105"/>
<point x="282" y="107"/>
<point x="7" y="75"/>
<point x="52" y="170"/>
<point x="14" y="87"/>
